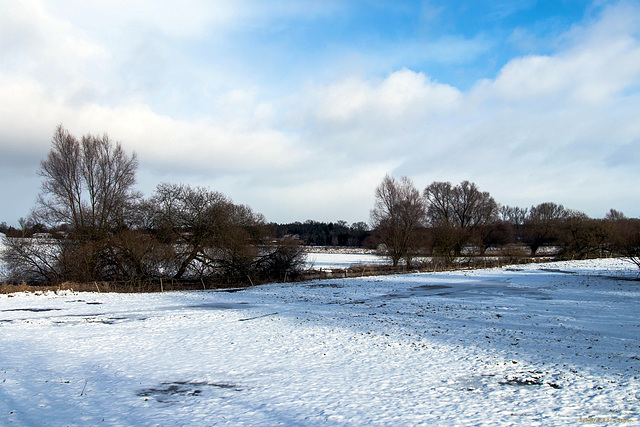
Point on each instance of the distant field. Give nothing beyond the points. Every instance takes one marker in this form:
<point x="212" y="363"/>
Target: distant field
<point x="318" y="260"/>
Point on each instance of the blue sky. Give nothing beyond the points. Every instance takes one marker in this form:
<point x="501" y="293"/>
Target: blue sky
<point x="299" y="108"/>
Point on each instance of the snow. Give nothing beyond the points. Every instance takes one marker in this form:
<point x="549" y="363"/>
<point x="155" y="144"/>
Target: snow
<point x="327" y="260"/>
<point x="3" y="269"/>
<point x="544" y="344"/>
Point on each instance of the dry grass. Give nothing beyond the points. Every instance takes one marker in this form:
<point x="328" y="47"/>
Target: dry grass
<point x="149" y="286"/>
<point x="105" y="287"/>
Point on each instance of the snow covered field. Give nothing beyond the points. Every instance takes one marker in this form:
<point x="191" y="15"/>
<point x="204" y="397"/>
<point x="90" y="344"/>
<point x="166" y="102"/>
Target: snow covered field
<point x="320" y="260"/>
<point x="545" y="344"/>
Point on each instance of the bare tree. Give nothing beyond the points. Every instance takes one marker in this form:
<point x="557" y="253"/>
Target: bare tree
<point x="211" y="237"/>
<point x="614" y="215"/>
<point x="543" y="225"/>
<point x="35" y="260"/>
<point x="87" y="185"/>
<point x="624" y="236"/>
<point x="399" y="209"/>
<point x="582" y="237"/>
<point x="189" y="219"/>
<point x="456" y="213"/>
<point x="440" y="203"/>
<point x="473" y="207"/>
<point x="239" y="243"/>
<point x="282" y="261"/>
<point x="87" y="188"/>
<point x="515" y="217"/>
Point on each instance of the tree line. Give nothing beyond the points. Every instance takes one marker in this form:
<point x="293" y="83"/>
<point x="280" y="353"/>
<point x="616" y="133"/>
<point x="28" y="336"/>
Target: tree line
<point x="450" y="221"/>
<point x="95" y="226"/>
<point x="316" y="233"/>
<point x="101" y="229"/>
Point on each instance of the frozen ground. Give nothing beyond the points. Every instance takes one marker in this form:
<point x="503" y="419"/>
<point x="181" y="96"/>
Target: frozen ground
<point x="546" y="344"/>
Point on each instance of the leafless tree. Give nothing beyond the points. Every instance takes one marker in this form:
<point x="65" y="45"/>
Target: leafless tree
<point x="238" y="246"/>
<point x="31" y="259"/>
<point x="624" y="236"/>
<point x="111" y="233"/>
<point x="189" y="219"/>
<point x="399" y="209"/>
<point x="457" y="212"/>
<point x="87" y="184"/>
<point x="472" y="207"/>
<point x="440" y="197"/>
<point x="87" y="188"/>
<point x="282" y="261"/>
<point x="543" y="225"/>
<point x="583" y="237"/>
<point x="614" y="215"/>
<point x="212" y="238"/>
<point x="515" y="218"/>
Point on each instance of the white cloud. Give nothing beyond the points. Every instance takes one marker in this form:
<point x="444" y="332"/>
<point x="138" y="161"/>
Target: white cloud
<point x="165" y="18"/>
<point x="583" y="74"/>
<point x="597" y="63"/>
<point x="33" y="42"/>
<point x="403" y="97"/>
<point x="238" y="147"/>
<point x="546" y="128"/>
<point x="182" y="19"/>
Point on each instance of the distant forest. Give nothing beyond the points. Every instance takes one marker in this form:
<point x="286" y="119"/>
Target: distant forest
<point x="308" y="233"/>
<point x="315" y="233"/>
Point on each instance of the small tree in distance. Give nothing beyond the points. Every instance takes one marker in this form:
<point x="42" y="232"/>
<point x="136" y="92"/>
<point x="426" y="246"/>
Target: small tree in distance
<point x="398" y="210"/>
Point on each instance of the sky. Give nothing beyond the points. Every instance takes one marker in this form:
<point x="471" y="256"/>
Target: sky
<point x="299" y="108"/>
